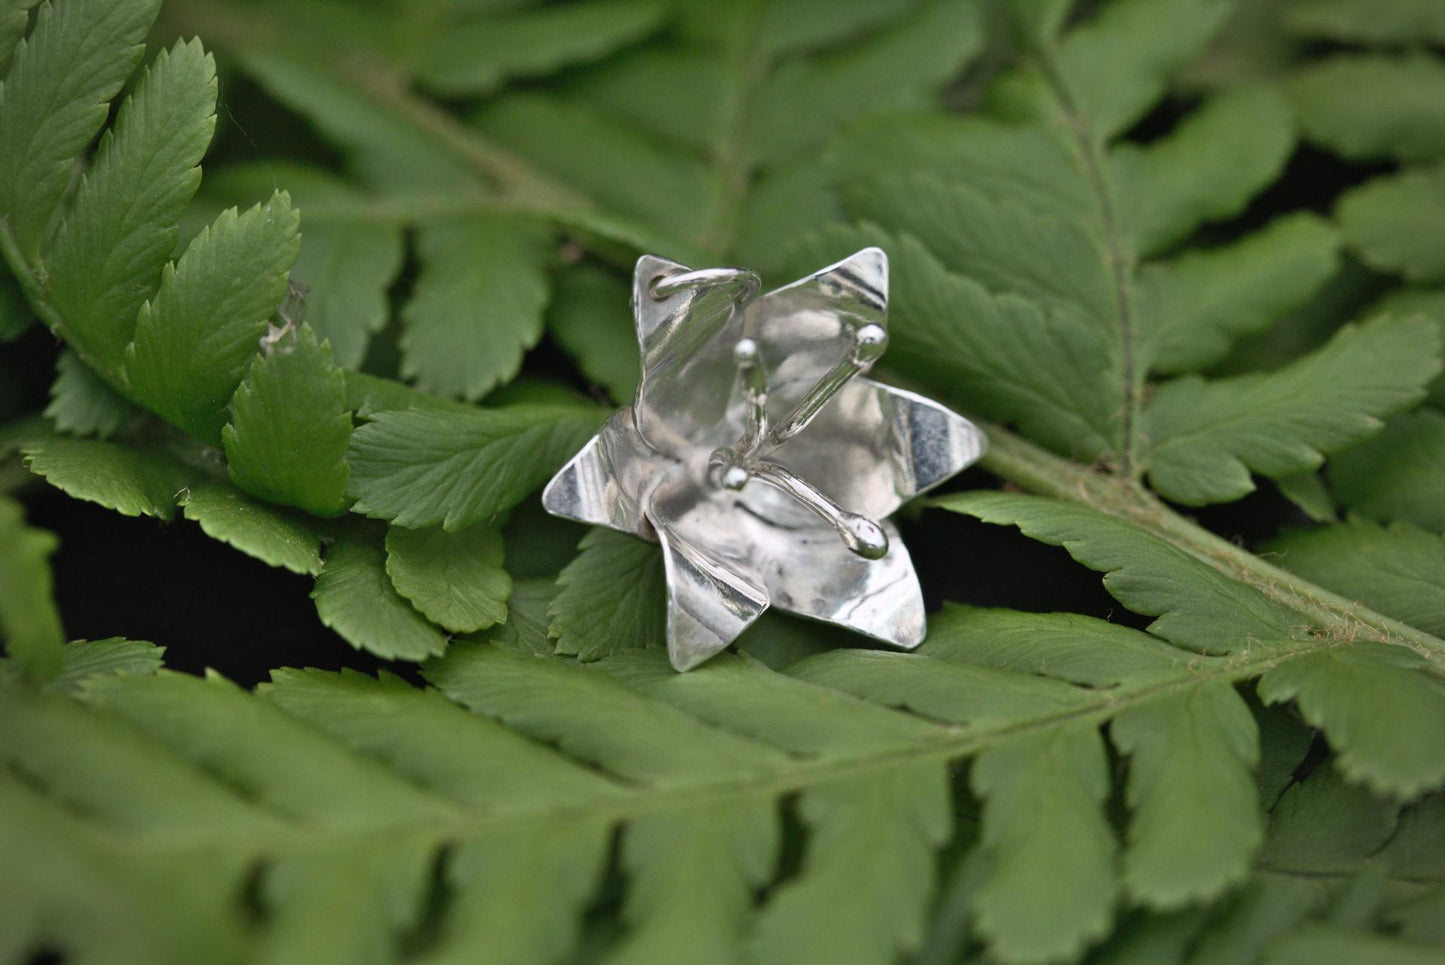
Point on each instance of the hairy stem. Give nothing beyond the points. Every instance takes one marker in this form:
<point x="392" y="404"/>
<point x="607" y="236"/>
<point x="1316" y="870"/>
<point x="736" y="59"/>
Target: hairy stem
<point x="1035" y="469"/>
<point x="1120" y="264"/>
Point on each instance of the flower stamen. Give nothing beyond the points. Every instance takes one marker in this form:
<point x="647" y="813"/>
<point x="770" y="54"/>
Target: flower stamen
<point x="859" y="533"/>
<point x="732" y="467"/>
<point x="869" y="344"/>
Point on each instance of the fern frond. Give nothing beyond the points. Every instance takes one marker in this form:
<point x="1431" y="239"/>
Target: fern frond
<point x="292" y="400"/>
<point x="54" y="100"/>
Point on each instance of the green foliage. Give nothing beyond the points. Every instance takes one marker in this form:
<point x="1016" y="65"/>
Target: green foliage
<point x="122" y="224"/>
<point x="290" y="426"/>
<point x="55" y="99"/>
<point x="476" y="308"/>
<point x="419" y="468"/>
<point x="590" y="618"/>
<point x="355" y="598"/>
<point x="1096" y="256"/>
<point x="82" y="404"/>
<point x="269" y="533"/>
<point x="194" y="339"/>
<point x="456" y="579"/>
<point x="28" y="616"/>
<point x="1395" y="476"/>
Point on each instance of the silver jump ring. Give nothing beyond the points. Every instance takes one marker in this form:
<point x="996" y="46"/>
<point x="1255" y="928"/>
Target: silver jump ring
<point x="745" y="283"/>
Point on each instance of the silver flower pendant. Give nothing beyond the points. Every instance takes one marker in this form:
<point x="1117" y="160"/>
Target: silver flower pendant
<point x="761" y="460"/>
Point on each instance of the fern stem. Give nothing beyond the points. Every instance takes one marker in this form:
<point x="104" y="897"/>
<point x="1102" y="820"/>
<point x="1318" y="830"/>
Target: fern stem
<point x="510" y="177"/>
<point x="749" y="64"/>
<point x="1120" y="262"/>
<point x="1037" y="470"/>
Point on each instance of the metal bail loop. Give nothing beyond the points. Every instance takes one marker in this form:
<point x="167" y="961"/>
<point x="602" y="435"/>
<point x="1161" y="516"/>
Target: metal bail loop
<point x="745" y="283"/>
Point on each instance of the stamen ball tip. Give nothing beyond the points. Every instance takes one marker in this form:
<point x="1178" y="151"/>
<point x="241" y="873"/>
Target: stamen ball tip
<point x="867" y="538"/>
<point x="870" y="342"/>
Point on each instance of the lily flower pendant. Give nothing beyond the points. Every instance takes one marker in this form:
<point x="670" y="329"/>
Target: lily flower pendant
<point x="760" y="458"/>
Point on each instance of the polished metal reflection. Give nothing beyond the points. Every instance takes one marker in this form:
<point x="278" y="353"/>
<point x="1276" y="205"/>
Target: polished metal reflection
<point x="761" y="459"/>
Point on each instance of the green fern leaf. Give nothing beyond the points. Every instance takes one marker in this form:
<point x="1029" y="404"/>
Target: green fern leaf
<point x="472" y="56"/>
<point x="108" y="252"/>
<point x="868" y="864"/>
<point x="420" y="468"/>
<point x="346" y="264"/>
<point x="89" y="658"/>
<point x="1113" y="67"/>
<point x="1364" y="697"/>
<point x="1197" y="746"/>
<point x="268" y="533"/>
<point x="29" y="620"/>
<point x="527" y="621"/>
<point x="1059" y="223"/>
<point x="455" y="579"/>
<point x="1392" y="222"/>
<point x="1374" y="105"/>
<point x="1429" y="303"/>
<point x="589" y="318"/>
<point x="1396" y="475"/>
<point x="477" y="305"/>
<point x="1245" y="619"/>
<point x="1206" y="170"/>
<point x="54" y="100"/>
<point x="1206" y="299"/>
<point x="355" y="597"/>
<point x="14" y="20"/>
<point x="1398" y="571"/>
<point x="287" y="439"/>
<point x="1207" y="436"/>
<point x="194" y="338"/>
<point x="1196" y="606"/>
<point x="613" y="596"/>
<point x="1371" y="21"/>
<point x="132" y="480"/>
<point x="1193" y="746"/>
<point x="82" y="404"/>
<point x="1060" y="775"/>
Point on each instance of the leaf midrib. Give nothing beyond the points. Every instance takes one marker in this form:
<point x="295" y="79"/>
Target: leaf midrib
<point x="954" y="743"/>
<point x="730" y="167"/>
<point x="1120" y="263"/>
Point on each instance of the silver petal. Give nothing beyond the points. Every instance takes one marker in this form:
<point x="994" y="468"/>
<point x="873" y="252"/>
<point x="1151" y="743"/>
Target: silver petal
<point x="606" y="483"/>
<point x="813" y="575"/>
<point x="804" y="329"/>
<point x="708" y="602"/>
<point x="686" y="339"/>
<point x="874" y="446"/>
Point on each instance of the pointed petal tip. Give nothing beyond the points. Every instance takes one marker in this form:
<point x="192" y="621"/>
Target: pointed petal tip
<point x="579" y="489"/>
<point x="709" y="603"/>
<point x="903" y="626"/>
<point x="933" y="442"/>
<point x="869" y="265"/>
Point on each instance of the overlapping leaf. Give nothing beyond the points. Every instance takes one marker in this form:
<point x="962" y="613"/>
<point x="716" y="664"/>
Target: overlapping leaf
<point x="631" y="743"/>
<point x="1051" y="286"/>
